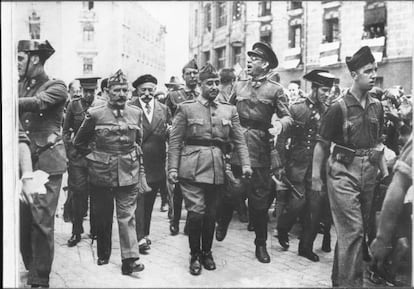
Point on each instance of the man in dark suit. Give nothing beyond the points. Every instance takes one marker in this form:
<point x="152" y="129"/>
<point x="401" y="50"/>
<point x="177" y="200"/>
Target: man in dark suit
<point x="156" y="120"/>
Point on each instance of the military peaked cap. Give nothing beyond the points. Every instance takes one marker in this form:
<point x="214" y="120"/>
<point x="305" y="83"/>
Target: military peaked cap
<point x="143" y="79"/>
<point x="117" y="78"/>
<point x="265" y="51"/>
<point x="208" y="71"/>
<point x="320" y="77"/>
<point x="362" y="57"/>
<point x="191" y="64"/>
<point x="89" y="82"/>
<point x="36" y="47"/>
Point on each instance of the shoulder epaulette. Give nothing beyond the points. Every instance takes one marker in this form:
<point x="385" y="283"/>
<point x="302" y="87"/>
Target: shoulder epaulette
<point x="273" y="81"/>
<point x="224" y="102"/>
<point x="188" y="101"/>
<point x="299" y="100"/>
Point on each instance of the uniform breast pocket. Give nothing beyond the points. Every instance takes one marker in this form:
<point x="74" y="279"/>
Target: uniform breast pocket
<point x="227" y="125"/>
<point x="374" y="127"/>
<point x="195" y="125"/>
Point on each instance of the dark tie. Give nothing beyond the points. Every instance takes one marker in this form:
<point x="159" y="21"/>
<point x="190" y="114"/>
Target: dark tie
<point x="148" y="108"/>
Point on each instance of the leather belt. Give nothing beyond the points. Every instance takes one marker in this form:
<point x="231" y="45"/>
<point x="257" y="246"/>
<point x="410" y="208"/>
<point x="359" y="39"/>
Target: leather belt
<point x="224" y="146"/>
<point x="254" y="124"/>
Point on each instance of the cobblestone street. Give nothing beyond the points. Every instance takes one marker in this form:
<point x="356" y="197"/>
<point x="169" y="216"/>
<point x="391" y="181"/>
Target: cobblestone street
<point x="166" y="264"/>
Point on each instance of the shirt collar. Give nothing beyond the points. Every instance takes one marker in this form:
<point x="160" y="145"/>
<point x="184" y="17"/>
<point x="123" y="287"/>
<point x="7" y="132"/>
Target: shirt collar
<point x="143" y="104"/>
<point x="353" y="101"/>
<point x="206" y="102"/>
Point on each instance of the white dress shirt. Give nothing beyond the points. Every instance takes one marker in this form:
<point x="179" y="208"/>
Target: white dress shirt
<point x="144" y="108"/>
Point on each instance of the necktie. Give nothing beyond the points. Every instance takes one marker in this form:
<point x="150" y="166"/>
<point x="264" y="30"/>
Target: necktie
<point x="148" y="108"/>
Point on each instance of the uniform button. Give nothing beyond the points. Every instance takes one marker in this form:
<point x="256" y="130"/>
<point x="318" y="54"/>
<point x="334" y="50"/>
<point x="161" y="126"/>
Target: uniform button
<point x="41" y="114"/>
<point x="308" y="148"/>
<point x="309" y="135"/>
<point x="213" y="114"/>
<point x="27" y="132"/>
<point x="26" y="121"/>
<point x="213" y="125"/>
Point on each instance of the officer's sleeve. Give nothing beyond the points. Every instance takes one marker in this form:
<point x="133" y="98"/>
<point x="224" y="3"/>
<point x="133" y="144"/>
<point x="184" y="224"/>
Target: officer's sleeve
<point x="67" y="126"/>
<point x="282" y="110"/>
<point x="54" y="94"/>
<point x="177" y="134"/>
<point x="238" y="139"/>
<point x="140" y="132"/>
<point x="23" y="138"/>
<point x="85" y="134"/>
<point x="233" y="95"/>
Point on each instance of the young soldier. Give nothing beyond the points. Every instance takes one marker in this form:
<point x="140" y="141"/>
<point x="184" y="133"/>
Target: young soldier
<point x="41" y="104"/>
<point x="353" y="125"/>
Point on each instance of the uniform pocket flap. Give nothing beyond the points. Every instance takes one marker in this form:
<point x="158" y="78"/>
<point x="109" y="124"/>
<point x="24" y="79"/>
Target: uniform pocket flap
<point x="103" y="126"/>
<point x="188" y="150"/>
<point x="227" y="122"/>
<point x="133" y="127"/>
<point x="99" y="157"/>
<point x="198" y="121"/>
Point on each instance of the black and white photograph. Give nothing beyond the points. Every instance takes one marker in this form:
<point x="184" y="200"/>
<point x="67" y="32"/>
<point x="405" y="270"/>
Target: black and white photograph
<point x="207" y="144"/>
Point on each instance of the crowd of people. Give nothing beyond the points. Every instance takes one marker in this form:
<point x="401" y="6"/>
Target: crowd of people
<point x="219" y="142"/>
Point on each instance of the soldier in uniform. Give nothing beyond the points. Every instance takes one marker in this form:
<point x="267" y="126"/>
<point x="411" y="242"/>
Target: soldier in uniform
<point x="175" y="97"/>
<point x="354" y="125"/>
<point x="156" y="120"/>
<point x="257" y="99"/>
<point x="77" y="166"/>
<point x="201" y="130"/>
<point x="306" y="114"/>
<point x="115" y="170"/>
<point x="41" y="104"/>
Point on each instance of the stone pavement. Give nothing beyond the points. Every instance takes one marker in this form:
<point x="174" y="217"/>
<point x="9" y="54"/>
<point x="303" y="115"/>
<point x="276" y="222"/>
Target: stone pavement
<point x="166" y="264"/>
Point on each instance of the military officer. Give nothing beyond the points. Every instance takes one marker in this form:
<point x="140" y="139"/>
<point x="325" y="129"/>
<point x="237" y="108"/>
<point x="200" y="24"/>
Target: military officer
<point x="41" y="104"/>
<point x="257" y="99"/>
<point x="77" y="166"/>
<point x="201" y="130"/>
<point x="175" y="97"/>
<point x="156" y="120"/>
<point x="354" y="125"/>
<point x="115" y="169"/>
<point x="306" y="114"/>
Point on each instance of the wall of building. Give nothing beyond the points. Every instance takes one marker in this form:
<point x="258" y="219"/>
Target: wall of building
<point x="395" y="67"/>
<point x="125" y="36"/>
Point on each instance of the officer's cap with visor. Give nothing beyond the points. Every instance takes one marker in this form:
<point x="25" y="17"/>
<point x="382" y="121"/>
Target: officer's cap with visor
<point x="89" y="82"/>
<point x="320" y="78"/>
<point x="208" y="71"/>
<point x="362" y="57"/>
<point x="264" y="51"/>
<point x="191" y="64"/>
<point x="118" y="78"/>
<point x="35" y="47"/>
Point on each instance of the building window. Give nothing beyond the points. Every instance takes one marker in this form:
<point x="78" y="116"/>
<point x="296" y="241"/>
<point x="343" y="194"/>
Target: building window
<point x="87" y="5"/>
<point x="266" y="38"/>
<point x="196" y="22"/>
<point x="331" y="29"/>
<point x="295" y="36"/>
<point x="237" y="10"/>
<point x="221" y="57"/>
<point x="87" y="65"/>
<point x="237" y="55"/>
<point x="34" y="26"/>
<point x="295" y="5"/>
<point x="206" y="56"/>
<point x="88" y="32"/>
<point x="207" y="17"/>
<point x="265" y="8"/>
<point x="221" y="14"/>
<point x="374" y="19"/>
